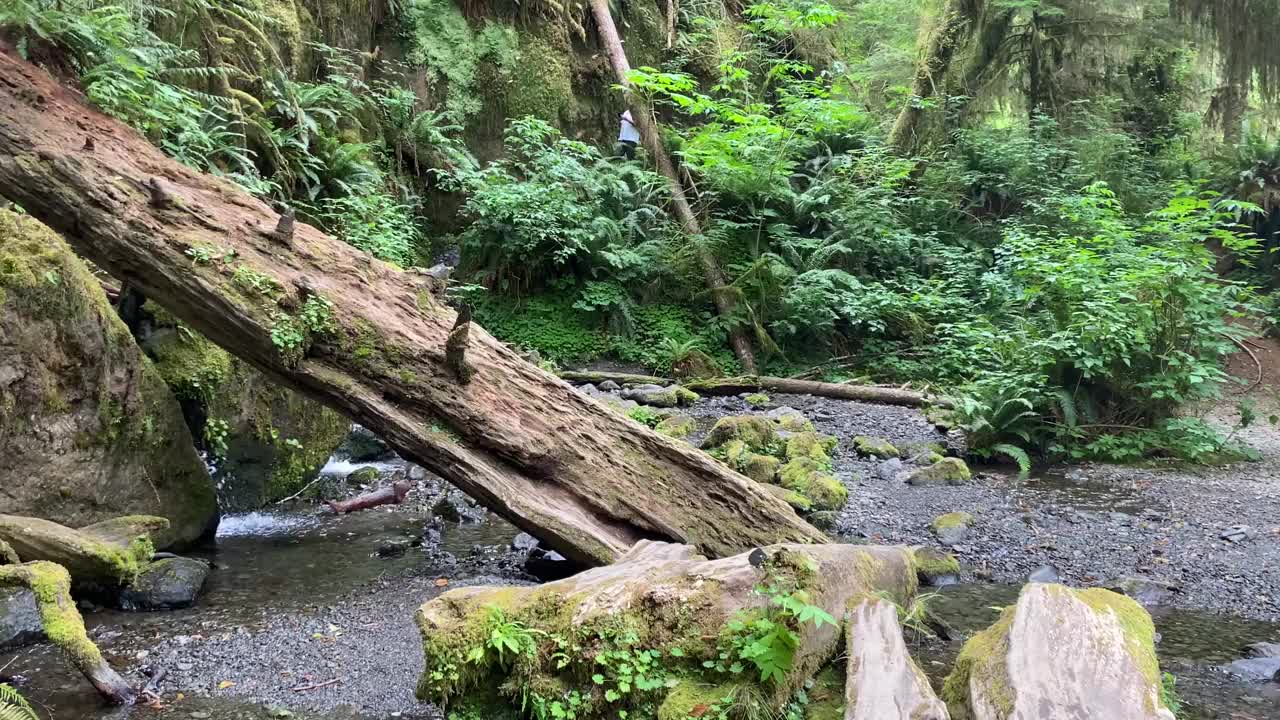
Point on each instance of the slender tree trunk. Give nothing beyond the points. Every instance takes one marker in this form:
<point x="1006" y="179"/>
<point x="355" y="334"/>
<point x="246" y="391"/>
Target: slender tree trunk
<point x="954" y="23"/>
<point x="643" y="118"/>
<point x="372" y="342"/>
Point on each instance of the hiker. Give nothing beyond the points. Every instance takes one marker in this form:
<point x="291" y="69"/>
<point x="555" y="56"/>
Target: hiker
<point x="628" y="137"/>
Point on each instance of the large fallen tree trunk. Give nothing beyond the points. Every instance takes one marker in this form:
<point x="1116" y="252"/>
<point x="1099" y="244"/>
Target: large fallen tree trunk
<point x="839" y="391"/>
<point x="367" y="339"/>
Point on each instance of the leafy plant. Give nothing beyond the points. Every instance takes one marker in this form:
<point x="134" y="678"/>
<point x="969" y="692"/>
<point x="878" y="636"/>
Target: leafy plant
<point x="13" y="706"/>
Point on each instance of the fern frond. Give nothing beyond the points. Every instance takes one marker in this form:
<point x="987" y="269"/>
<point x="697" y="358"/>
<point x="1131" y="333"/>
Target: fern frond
<point x="13" y="706"/>
<point x="1018" y="455"/>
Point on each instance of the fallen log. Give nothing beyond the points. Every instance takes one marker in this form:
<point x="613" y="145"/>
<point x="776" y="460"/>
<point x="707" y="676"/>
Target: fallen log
<point x="367" y="339"/>
<point x="838" y="391"/>
<point x="591" y="376"/>
<point x="51" y="585"/>
<point x="597" y="636"/>
<point x="393" y="494"/>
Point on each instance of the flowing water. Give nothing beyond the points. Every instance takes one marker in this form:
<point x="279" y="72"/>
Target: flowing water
<point x="266" y="564"/>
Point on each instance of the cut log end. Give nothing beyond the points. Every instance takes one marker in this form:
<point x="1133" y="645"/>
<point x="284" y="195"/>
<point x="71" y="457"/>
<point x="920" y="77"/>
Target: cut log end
<point x="393" y="494"/>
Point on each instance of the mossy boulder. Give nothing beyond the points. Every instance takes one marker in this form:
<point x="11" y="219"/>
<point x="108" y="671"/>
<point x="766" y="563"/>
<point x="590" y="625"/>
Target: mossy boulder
<point x="660" y="611"/>
<point x="88" y="429"/>
<point x="936" y="568"/>
<point x="761" y="468"/>
<point x="94" y="562"/>
<point x="947" y="471"/>
<point x="269" y="440"/>
<point x="695" y="365"/>
<point x="167" y="584"/>
<point x="676" y="426"/>
<point x="810" y="446"/>
<point x="1061" y="652"/>
<point x="797" y="501"/>
<point x="824" y="520"/>
<point x="807" y="477"/>
<point x="669" y="397"/>
<point x="757" y="400"/>
<point x="875" y="447"/>
<point x="951" y="527"/>
<point x="363" y="476"/>
<point x="756" y="433"/>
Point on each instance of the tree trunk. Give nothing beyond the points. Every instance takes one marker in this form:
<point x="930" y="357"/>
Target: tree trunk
<point x="643" y="119"/>
<point x="367" y="339"/>
<point x="62" y="623"/>
<point x="956" y="19"/>
<point x="860" y="393"/>
<point x="393" y="494"/>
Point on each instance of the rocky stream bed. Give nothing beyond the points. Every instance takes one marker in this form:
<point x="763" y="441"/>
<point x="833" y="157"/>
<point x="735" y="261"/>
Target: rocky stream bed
<point x="309" y="615"/>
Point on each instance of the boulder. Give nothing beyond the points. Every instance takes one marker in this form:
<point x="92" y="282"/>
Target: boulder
<point x="757" y="400"/>
<point x="657" y="600"/>
<point x="1262" y="650"/>
<point x="761" y="468"/>
<point x="756" y="433"/>
<point x="892" y="470"/>
<point x="936" y="568"/>
<point x="1261" y="669"/>
<point x="363" y="476"/>
<point x="267" y="441"/>
<point x="88" y="428"/>
<point x="609" y="386"/>
<point x="882" y="681"/>
<point x="952" y="528"/>
<point x="824" y="520"/>
<point x="1061" y="653"/>
<point x="791" y="497"/>
<point x="1147" y="591"/>
<point x="676" y="426"/>
<point x="790" y="419"/>
<point x="695" y="365"/>
<point x="92" y="561"/>
<point x="166" y="584"/>
<point x="361" y="445"/>
<point x="19" y="618"/>
<point x="947" y="471"/>
<point x="875" y="447"/>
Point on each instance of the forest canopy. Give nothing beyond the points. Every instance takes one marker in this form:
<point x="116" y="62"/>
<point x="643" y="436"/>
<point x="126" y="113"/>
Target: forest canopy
<point x="1062" y="214"/>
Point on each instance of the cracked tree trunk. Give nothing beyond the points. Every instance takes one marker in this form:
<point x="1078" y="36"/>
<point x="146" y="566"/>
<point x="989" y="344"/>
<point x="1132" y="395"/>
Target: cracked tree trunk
<point x="584" y="479"/>
<point x="642" y="116"/>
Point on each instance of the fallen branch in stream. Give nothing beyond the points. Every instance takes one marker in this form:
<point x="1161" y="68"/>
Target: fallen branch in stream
<point x="317" y="686"/>
<point x="298" y="494"/>
<point x="393" y="494"/>
<point x="765" y="383"/>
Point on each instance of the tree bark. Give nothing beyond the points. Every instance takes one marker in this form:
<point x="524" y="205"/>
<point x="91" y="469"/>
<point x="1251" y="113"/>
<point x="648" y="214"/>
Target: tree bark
<point x="51" y="584"/>
<point x="642" y="116"/>
<point x="954" y="22"/>
<point x="369" y="340"/>
<point x="860" y="393"/>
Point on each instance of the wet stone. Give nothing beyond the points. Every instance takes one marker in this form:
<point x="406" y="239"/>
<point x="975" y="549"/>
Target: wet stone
<point x="1044" y="574"/>
<point x="19" y="618"/>
<point x="166" y="585"/>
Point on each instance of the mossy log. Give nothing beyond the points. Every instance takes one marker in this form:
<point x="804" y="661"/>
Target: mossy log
<point x="637" y="634"/>
<point x="838" y="391"/>
<point x="592" y="376"/>
<point x="102" y="556"/>
<point x="369" y="340"/>
<point x="51" y="585"/>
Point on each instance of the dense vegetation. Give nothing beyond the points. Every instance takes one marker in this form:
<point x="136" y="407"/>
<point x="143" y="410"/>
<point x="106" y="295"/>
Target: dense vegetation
<point x="1060" y="213"/>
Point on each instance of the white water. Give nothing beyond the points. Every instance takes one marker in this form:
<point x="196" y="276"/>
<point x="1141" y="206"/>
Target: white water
<point x="342" y="468"/>
<point x="262" y="523"/>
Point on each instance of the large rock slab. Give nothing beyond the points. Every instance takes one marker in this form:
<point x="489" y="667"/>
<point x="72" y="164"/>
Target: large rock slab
<point x="168" y="584"/>
<point x="92" y="561"/>
<point x="882" y="681"/>
<point x="1060" y="654"/>
<point x="661" y="598"/>
<point x="19" y="618"/>
<point x="88" y="429"/>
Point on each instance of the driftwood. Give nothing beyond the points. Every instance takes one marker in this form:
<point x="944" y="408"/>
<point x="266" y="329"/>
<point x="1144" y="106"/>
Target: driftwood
<point x="393" y="494"/>
<point x="371" y="344"/>
<point x="51" y="584"/>
<point x="860" y="393"/>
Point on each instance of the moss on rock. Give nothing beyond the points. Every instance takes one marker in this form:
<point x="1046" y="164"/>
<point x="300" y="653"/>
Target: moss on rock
<point x="951" y="520"/>
<point x="875" y="447"/>
<point x="693" y="699"/>
<point x="676" y="426"/>
<point x="90" y="411"/>
<point x="757" y="433"/>
<point x="757" y="400"/>
<point x="762" y="468"/>
<point x="947" y="471"/>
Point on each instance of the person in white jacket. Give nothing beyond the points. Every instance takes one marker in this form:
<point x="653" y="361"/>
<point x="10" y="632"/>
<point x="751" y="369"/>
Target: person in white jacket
<point x="628" y="136"/>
